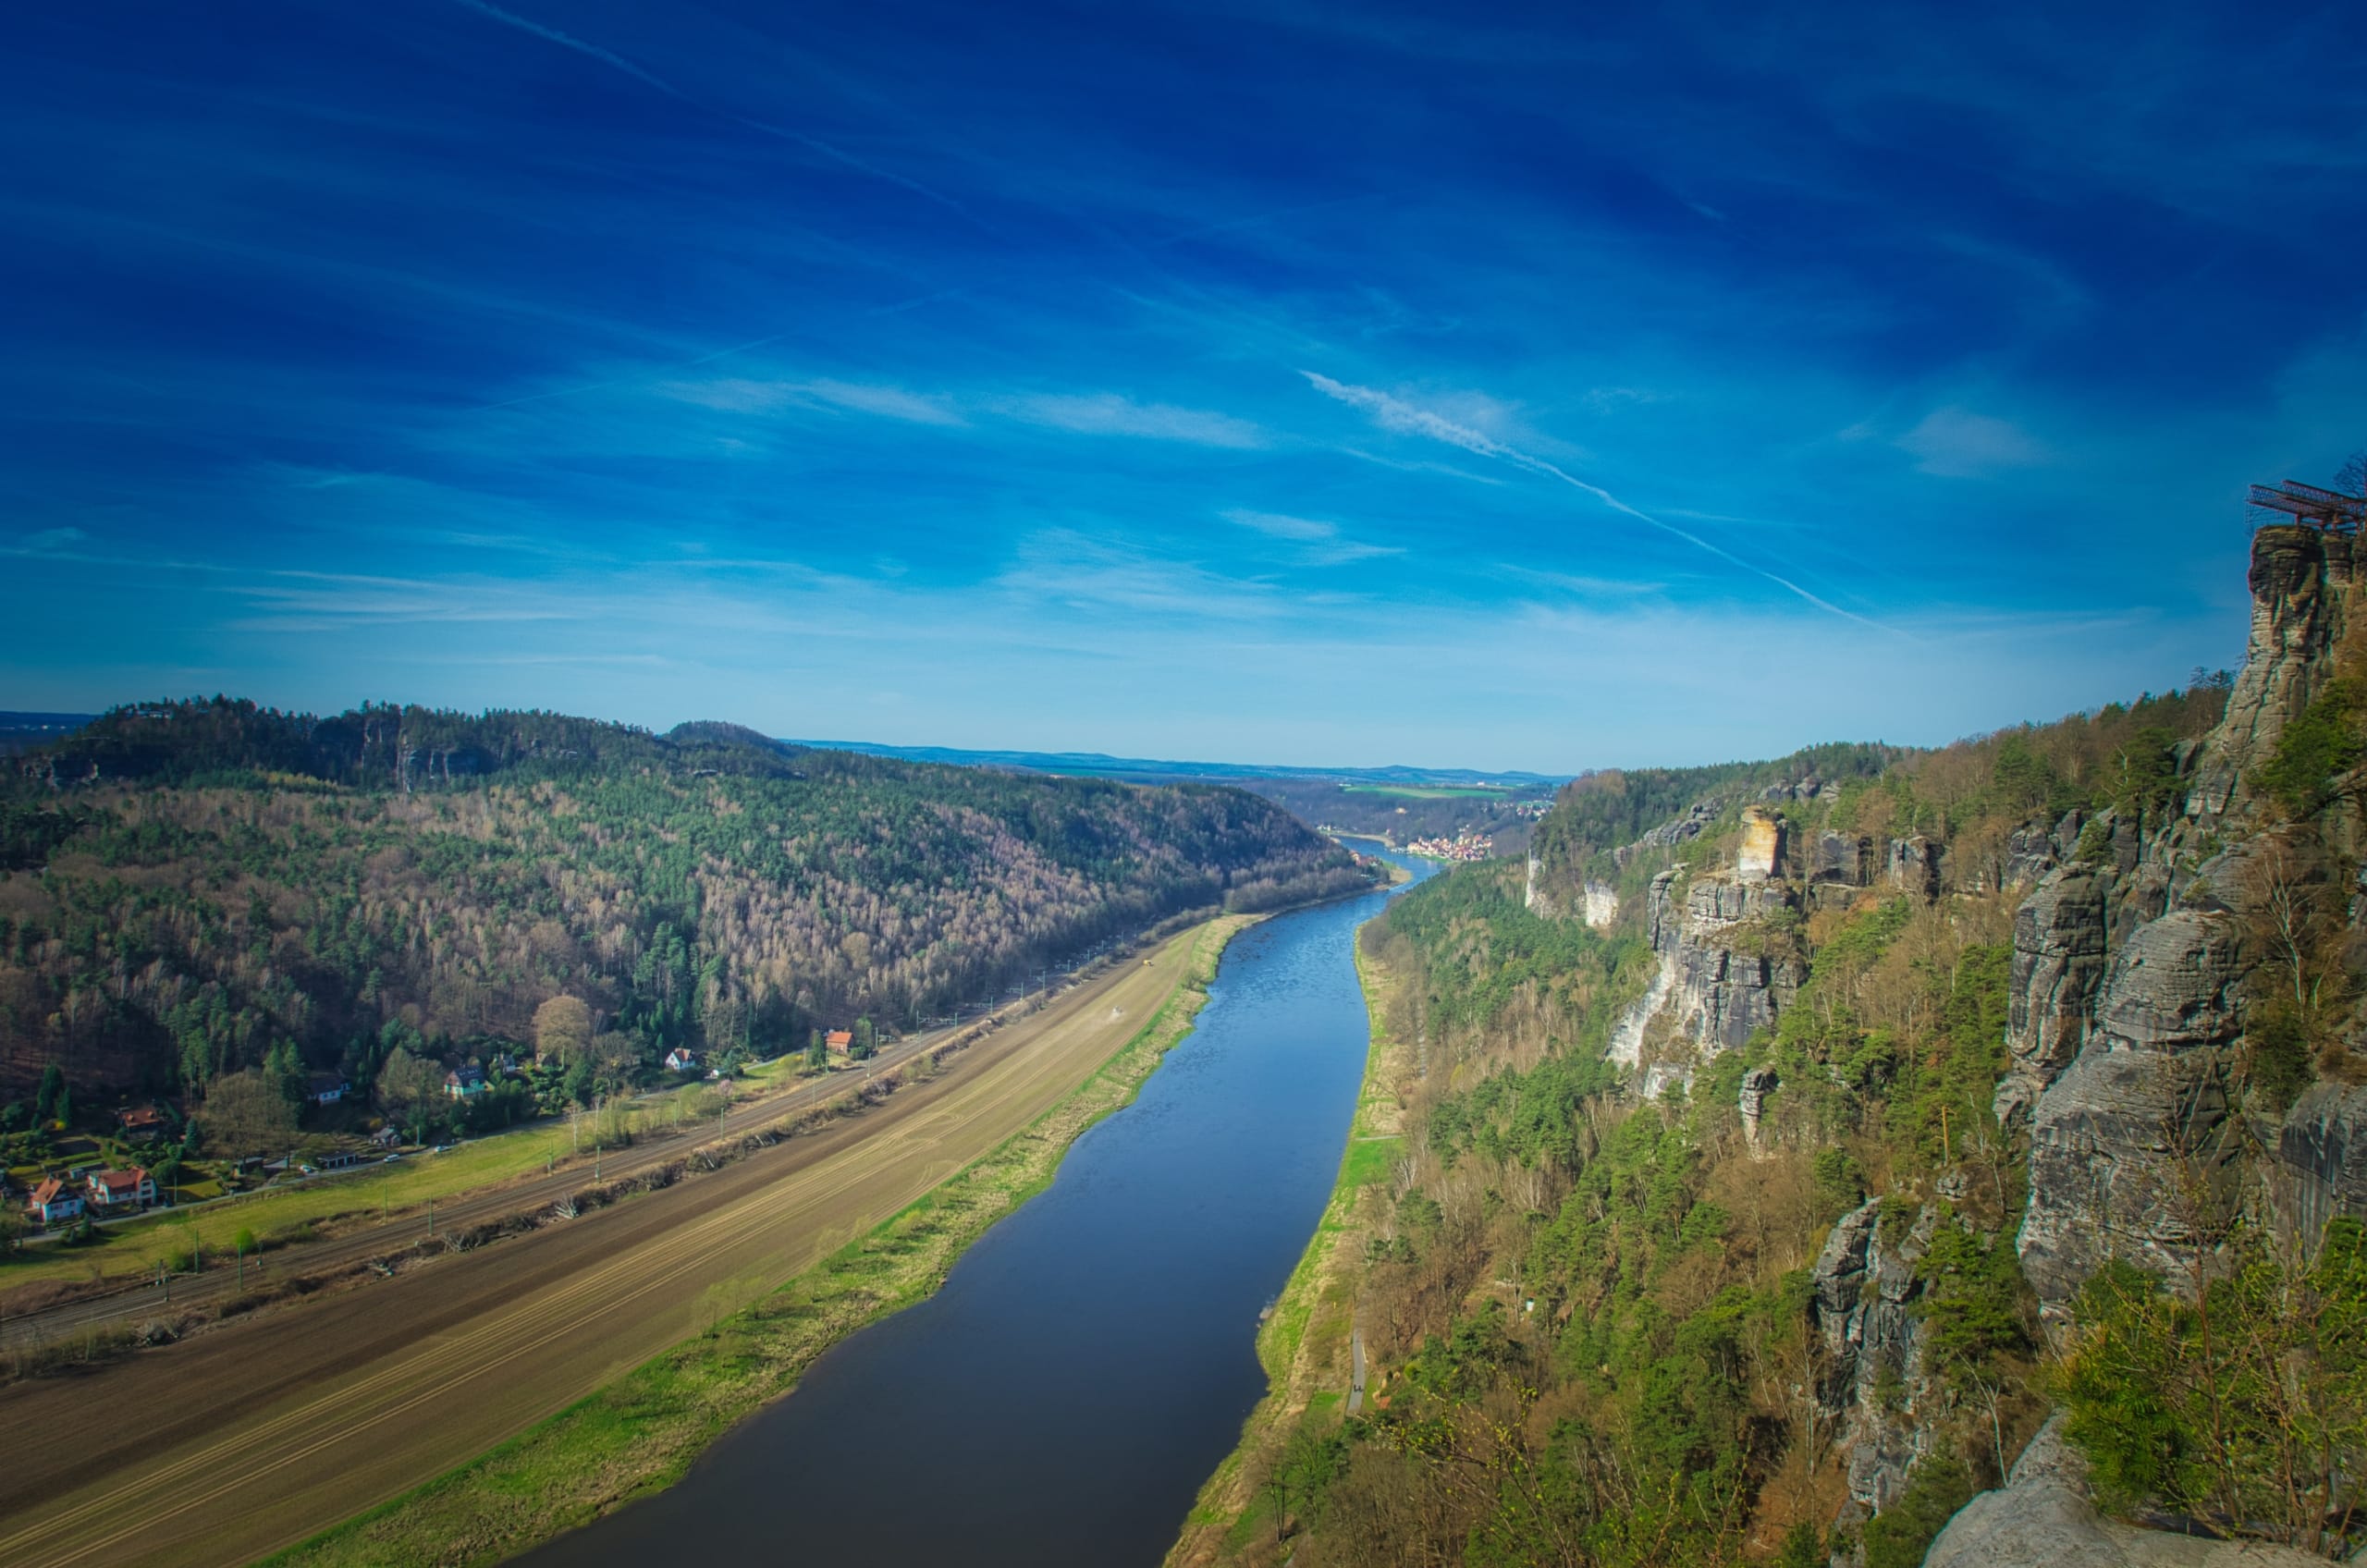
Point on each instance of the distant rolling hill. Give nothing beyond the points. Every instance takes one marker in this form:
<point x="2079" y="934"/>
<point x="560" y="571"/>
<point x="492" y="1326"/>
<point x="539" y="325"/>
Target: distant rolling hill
<point x="1098" y="765"/>
<point x="20" y="730"/>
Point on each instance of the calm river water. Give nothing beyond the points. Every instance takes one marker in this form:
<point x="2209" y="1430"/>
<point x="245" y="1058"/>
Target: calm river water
<point x="1090" y="1359"/>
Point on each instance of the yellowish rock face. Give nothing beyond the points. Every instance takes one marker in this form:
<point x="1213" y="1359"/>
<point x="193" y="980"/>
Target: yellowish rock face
<point x="1762" y="842"/>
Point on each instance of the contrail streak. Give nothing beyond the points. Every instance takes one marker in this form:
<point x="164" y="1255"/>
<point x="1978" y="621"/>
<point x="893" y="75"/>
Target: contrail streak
<point x="1391" y="413"/>
<point x="649" y="78"/>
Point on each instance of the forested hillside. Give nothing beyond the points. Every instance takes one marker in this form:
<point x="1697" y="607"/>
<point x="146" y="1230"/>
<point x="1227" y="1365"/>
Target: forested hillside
<point x="1700" y="1247"/>
<point x="190" y="889"/>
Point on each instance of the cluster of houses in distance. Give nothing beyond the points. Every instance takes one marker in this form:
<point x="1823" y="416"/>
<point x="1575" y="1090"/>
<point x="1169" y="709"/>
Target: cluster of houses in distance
<point x="1463" y="846"/>
<point x="106" y="1193"/>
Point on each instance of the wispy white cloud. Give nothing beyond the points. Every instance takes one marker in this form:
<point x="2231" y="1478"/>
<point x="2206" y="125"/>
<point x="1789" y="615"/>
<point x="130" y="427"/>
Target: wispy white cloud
<point x="1418" y="465"/>
<point x="1064" y="569"/>
<point x="1608" y="400"/>
<point x="1281" y="526"/>
<point x="1106" y="413"/>
<point x="1321" y="542"/>
<point x="751" y="396"/>
<point x="1958" y="444"/>
<point x="1397" y="415"/>
<point x="1582" y="584"/>
<point x="50" y="541"/>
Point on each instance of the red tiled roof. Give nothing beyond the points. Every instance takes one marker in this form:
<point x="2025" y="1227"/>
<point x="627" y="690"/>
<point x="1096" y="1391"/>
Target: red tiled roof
<point x="49" y="1190"/>
<point x="841" y="1037"/>
<point x="123" y="1181"/>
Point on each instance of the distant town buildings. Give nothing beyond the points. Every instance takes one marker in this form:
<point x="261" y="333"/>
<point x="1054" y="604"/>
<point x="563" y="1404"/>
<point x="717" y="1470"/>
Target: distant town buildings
<point x="1462" y="846"/>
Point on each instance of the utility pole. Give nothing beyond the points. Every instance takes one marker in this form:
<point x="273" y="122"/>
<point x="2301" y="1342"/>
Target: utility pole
<point x="431" y="1219"/>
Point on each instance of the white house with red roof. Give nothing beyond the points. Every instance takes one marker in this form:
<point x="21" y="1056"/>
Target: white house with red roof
<point x="122" y="1192"/>
<point x="53" y="1202"/>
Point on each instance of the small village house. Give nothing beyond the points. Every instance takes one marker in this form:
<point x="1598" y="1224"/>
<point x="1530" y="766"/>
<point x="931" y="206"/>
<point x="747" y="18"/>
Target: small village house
<point x="122" y="1192"/>
<point x="326" y="1089"/>
<point x="680" y="1060"/>
<point x="465" y="1082"/>
<point x="53" y="1202"/>
<point x="386" y="1137"/>
<point x="142" y="1121"/>
<point x="840" y="1041"/>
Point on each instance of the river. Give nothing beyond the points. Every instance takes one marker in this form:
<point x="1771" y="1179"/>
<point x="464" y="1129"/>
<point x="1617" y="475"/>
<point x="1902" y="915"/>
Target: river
<point x="1090" y="1359"/>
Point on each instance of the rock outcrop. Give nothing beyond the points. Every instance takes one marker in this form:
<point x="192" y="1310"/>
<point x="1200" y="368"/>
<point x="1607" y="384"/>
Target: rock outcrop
<point x="2302" y="584"/>
<point x="1863" y="1310"/>
<point x="1912" y="865"/>
<point x="1839" y="858"/>
<point x="1601" y="904"/>
<point x="1534" y="898"/>
<point x="1762" y="845"/>
<point x="2129" y="1001"/>
<point x="1677" y="830"/>
<point x="1721" y="981"/>
<point x="2041" y="1518"/>
<point x="2322" y="1157"/>
<point x="2058" y="968"/>
<point x="1750" y="1099"/>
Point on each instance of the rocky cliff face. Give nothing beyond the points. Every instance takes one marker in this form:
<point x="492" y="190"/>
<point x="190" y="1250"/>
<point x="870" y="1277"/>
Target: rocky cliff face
<point x="2129" y="1006"/>
<point x="1720" y="979"/>
<point x="1864" y="1311"/>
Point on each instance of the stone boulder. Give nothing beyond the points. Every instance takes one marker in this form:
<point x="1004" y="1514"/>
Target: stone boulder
<point x="2041" y="1518"/>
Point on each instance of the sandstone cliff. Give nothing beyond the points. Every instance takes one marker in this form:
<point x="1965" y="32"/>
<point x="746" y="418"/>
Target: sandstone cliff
<point x="2134" y="970"/>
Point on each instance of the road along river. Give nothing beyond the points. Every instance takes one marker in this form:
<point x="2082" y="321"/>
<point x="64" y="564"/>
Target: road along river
<point x="1091" y="1358"/>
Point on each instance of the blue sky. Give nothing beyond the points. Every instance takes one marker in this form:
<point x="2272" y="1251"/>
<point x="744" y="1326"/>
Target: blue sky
<point x="1277" y="381"/>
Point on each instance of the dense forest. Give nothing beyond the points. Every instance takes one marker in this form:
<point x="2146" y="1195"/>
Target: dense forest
<point x="189" y="890"/>
<point x="1593" y="1318"/>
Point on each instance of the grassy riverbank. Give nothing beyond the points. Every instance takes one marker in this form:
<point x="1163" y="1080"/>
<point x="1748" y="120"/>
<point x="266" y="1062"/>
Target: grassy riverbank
<point x="641" y="1433"/>
<point x="1308" y="1346"/>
